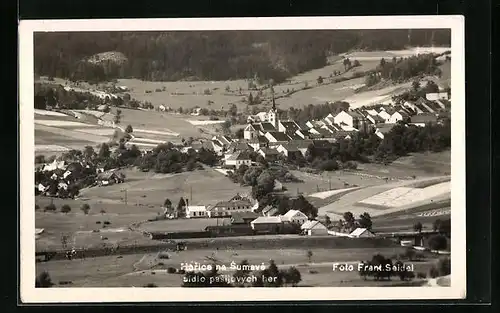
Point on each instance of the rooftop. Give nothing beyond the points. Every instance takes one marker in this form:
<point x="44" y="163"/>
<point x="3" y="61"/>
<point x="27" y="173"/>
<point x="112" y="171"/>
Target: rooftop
<point x="267" y="220"/>
<point x="279" y="136"/>
<point x="424" y="118"/>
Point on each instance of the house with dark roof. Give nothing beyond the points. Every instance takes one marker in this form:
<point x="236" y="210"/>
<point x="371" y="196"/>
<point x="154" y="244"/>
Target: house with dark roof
<point x="288" y="127"/>
<point x="258" y="142"/>
<point x="238" y="159"/>
<point x="243" y="218"/>
<point x="383" y="129"/>
<point x="423" y="119"/>
<point x="276" y="138"/>
<point x="397" y="116"/>
<point x="268" y="153"/>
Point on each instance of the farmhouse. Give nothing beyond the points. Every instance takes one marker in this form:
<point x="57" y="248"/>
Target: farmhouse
<point x="349" y="118"/>
<point x="238" y="159"/>
<point x="268" y="154"/>
<point x="361" y="233"/>
<point x="109" y="178"/>
<point x="258" y="142"/>
<point x="272" y="224"/>
<point x="196" y="211"/>
<point x="294" y="216"/>
<point x="226" y="208"/>
<point x="398" y="116"/>
<point x="312" y="228"/>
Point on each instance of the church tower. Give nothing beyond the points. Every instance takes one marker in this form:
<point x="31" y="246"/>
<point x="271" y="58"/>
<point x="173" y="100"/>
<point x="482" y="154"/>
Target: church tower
<point x="273" y="113"/>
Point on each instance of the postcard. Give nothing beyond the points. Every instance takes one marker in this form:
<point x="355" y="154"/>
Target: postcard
<point x="261" y="159"/>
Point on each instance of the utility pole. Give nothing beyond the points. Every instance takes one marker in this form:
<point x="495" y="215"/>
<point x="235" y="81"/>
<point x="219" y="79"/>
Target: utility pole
<point x="125" y="198"/>
<point x="191" y="195"/>
<point x="330" y="183"/>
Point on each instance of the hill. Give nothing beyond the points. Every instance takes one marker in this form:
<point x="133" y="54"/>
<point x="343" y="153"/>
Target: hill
<point x="211" y="55"/>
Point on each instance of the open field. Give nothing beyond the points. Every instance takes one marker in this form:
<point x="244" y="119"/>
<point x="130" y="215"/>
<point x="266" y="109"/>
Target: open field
<point x="138" y="270"/>
<point x="353" y="201"/>
<point x="405" y="221"/>
<point x="207" y="187"/>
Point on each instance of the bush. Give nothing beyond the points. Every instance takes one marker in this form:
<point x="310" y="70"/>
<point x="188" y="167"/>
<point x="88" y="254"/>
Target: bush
<point x="98" y="222"/>
<point x="433" y="272"/>
<point x="150" y="285"/>
<point x="421" y="275"/>
<point x="107" y="223"/>
<point x="438" y="242"/>
<point x="129" y="129"/>
<point x="50" y="207"/>
<point x="171" y="270"/>
<point x="85" y="208"/>
<point x="444" y="266"/>
<point x="37" y="207"/>
<point x="65" y="208"/>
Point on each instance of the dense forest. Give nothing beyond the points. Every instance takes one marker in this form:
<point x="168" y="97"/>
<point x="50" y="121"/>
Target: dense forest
<point x="210" y="55"/>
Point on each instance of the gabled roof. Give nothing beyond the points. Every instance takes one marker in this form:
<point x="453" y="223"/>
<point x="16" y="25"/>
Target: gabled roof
<point x="359" y="231"/>
<point x="294" y="136"/>
<point x="231" y="204"/>
<point x="321" y="143"/>
<point x="313" y="225"/>
<point x="300" y="144"/>
<point x="267" y="220"/>
<point x="292" y="213"/>
<point x="269" y="151"/>
<point x="290" y="126"/>
<point x="267" y="127"/>
<point x="240" y="217"/>
<point x="384" y="128"/>
<point x="279" y="136"/>
<point x="355" y="114"/>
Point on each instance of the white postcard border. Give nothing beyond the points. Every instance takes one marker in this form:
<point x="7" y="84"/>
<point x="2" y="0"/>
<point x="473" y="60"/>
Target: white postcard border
<point x="30" y="294"/>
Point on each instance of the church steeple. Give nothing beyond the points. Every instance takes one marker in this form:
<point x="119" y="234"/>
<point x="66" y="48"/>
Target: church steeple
<point x="274" y="102"/>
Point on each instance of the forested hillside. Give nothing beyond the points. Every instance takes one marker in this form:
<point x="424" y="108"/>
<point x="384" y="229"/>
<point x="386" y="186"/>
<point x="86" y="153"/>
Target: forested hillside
<point x="209" y="55"/>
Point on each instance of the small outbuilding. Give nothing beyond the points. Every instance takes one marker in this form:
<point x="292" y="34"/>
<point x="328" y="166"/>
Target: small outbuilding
<point x="361" y="233"/>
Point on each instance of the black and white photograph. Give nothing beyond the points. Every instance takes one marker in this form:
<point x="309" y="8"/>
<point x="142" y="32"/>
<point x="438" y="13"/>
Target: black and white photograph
<point x="312" y="154"/>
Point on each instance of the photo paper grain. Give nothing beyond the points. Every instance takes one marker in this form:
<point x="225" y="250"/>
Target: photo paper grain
<point x="304" y="158"/>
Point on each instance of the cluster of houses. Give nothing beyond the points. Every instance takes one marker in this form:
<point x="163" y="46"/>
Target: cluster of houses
<point x="244" y="214"/>
<point x="56" y="178"/>
<point x="270" y="136"/>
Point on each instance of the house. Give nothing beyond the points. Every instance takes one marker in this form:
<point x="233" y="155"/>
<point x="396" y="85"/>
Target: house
<point x="384" y="115"/>
<point x="109" y="178"/>
<point x="258" y="142"/>
<point x="54" y="165"/>
<point x="289" y="127"/>
<point x="424" y="105"/>
<point x="103" y="108"/>
<point x="222" y="140"/>
<point x="269" y="211"/>
<point x="268" y="154"/>
<point x="294" y="216"/>
<point x="350" y="118"/>
<point x="398" y="116"/>
<point x="226" y="208"/>
<point x="383" y="129"/>
<point x="238" y="159"/>
<point x="239" y="146"/>
<point x="314" y="228"/>
<point x="196" y="211"/>
<point x="239" y="218"/>
<point x="271" y="224"/>
<point x="278" y="186"/>
<point x="437" y="96"/>
<point x="361" y="233"/>
<point x="423" y="119"/>
<point x="276" y="137"/>
<point x="375" y="119"/>
<point x="251" y="131"/>
<point x="294" y="146"/>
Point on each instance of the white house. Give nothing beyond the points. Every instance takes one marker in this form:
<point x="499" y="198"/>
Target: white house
<point x="294" y="216"/>
<point x="237" y="159"/>
<point x="361" y="233"/>
<point x="398" y="116"/>
<point x="437" y="96"/>
<point x="196" y="211"/>
<point x="250" y="132"/>
<point x="226" y="208"/>
<point x="312" y="228"/>
<point x="386" y="116"/>
<point x="350" y="118"/>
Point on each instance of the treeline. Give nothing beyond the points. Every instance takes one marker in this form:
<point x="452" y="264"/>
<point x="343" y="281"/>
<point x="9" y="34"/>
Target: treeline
<point x="316" y="112"/>
<point x="211" y="55"/>
<point x="399" y="70"/>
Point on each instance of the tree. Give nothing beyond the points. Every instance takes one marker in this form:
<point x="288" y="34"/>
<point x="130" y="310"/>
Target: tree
<point x="129" y="129"/>
<point x="415" y="85"/>
<point x="250" y="99"/>
<point x="85" y="208"/>
<point x="65" y="208"/>
<point x="417" y="227"/>
<point x="39" y="159"/>
<point x="438" y="242"/>
<point x="444" y="266"/>
<point x="320" y="80"/>
<point x="239" y="134"/>
<point x="356" y="63"/>
<point x="292" y="276"/>
<point x="181" y="207"/>
<point x="167" y="203"/>
<point x="365" y="221"/>
<point x="349" y="220"/>
<point x="190" y="165"/>
<point x="104" y="151"/>
<point x="309" y="255"/>
<point x="50" y="207"/>
<point x="328" y="221"/>
<point x="242" y="272"/>
<point x="43" y="280"/>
